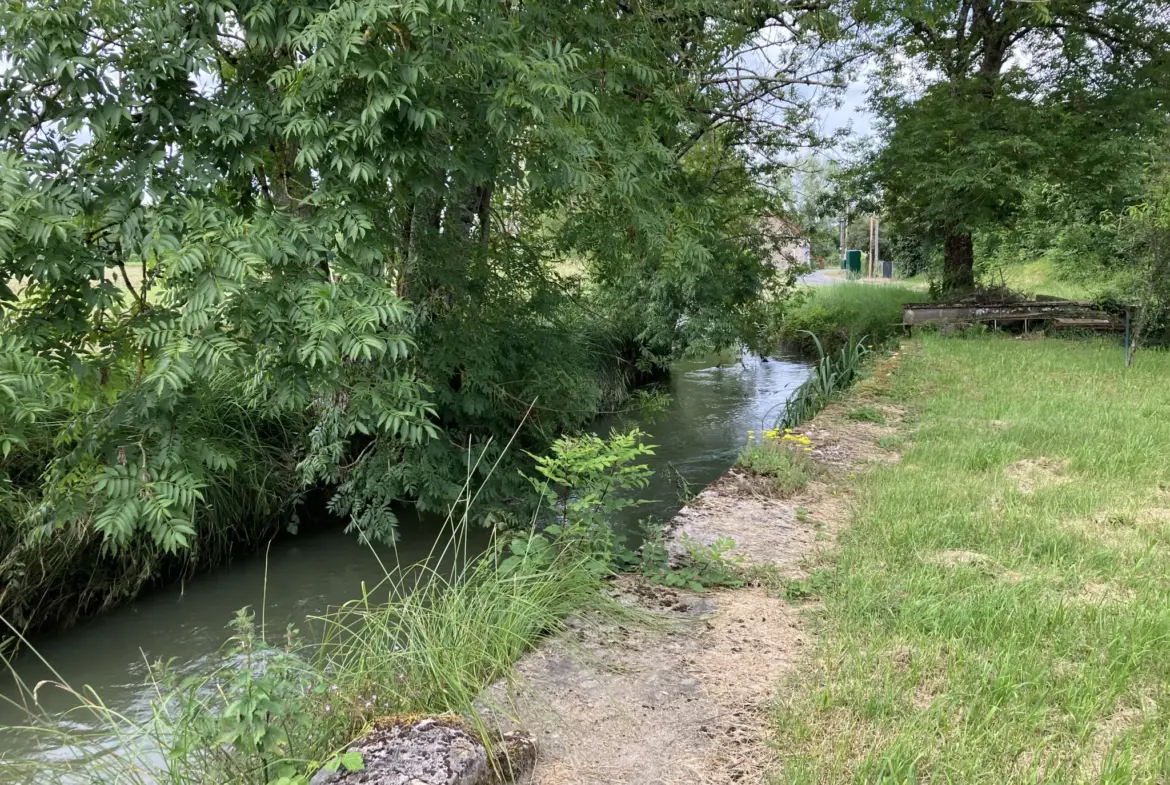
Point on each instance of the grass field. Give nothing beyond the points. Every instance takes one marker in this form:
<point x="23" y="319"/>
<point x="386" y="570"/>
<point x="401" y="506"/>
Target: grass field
<point x="1000" y="609"/>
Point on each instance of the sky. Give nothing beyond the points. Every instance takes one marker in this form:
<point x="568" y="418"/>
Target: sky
<point x="852" y="111"/>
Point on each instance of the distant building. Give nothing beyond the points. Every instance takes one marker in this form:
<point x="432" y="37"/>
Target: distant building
<point x="790" y="247"/>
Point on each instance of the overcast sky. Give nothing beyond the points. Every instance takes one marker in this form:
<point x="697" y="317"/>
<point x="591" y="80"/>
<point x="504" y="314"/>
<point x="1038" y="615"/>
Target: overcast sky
<point x="852" y="111"/>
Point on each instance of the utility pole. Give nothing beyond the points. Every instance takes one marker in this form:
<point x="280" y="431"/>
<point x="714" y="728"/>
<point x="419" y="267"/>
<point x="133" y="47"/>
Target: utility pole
<point x="844" y="234"/>
<point x="877" y="246"/>
<point x="872" y="223"/>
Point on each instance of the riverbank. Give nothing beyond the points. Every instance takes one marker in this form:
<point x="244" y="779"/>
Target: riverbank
<point x="713" y="403"/>
<point x="684" y="695"/>
<point x="1000" y="608"/>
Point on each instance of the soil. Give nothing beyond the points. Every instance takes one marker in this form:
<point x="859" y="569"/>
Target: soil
<point x="683" y="696"/>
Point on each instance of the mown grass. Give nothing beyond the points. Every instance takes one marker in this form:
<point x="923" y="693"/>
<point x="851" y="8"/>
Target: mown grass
<point x="835" y="313"/>
<point x="1000" y="609"/>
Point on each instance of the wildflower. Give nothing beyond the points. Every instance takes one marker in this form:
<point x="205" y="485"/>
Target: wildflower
<point x="328" y="708"/>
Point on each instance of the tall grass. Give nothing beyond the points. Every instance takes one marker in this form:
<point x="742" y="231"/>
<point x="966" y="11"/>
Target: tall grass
<point x="427" y="639"/>
<point x="834" y="314"/>
<point x="1000" y="609"/>
<point x="424" y="641"/>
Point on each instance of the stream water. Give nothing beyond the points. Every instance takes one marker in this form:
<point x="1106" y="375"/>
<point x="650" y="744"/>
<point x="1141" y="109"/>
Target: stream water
<point x="713" y="404"/>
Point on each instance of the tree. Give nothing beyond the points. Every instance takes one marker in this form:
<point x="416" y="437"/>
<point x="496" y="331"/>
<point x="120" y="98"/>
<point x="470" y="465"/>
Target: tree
<point x="350" y="221"/>
<point x="981" y="97"/>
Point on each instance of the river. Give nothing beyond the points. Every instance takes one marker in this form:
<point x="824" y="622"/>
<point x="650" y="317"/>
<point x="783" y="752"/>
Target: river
<point x="713" y="405"/>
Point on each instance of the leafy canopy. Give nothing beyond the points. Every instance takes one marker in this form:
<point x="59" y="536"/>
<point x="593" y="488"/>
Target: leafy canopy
<point x="402" y="232"/>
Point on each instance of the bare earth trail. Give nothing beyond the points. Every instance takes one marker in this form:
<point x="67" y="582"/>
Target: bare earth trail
<point x="687" y="701"/>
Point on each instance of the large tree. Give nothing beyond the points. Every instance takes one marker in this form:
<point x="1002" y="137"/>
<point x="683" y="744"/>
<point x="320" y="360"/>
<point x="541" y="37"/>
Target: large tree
<point x="350" y="222"/>
<point x="981" y="97"/>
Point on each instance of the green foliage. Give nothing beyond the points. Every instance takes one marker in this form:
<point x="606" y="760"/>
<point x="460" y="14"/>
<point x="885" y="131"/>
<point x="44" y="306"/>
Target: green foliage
<point x="54" y="573"/>
<point x="967" y="132"/>
<point x="700" y="566"/>
<point x="836" y="314"/>
<point x="807" y="588"/>
<point x="1146" y="228"/>
<point x="428" y="639"/>
<point x="866" y="414"/>
<point x="785" y="466"/>
<point x="243" y="719"/>
<point x="832" y="374"/>
<point x="352" y="222"/>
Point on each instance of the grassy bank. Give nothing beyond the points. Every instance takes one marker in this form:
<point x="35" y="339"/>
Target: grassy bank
<point x="1040" y="277"/>
<point x="1000" y="609"/>
<point x="276" y="706"/>
<point x="834" y="313"/>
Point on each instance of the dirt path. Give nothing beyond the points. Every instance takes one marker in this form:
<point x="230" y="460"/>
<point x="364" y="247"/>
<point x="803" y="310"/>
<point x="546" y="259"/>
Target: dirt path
<point x="687" y="701"/>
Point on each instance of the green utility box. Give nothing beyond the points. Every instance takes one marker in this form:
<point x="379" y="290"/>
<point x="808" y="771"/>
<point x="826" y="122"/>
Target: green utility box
<point x="853" y="261"/>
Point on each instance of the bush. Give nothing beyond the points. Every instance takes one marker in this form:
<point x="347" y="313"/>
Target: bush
<point x="834" y="313"/>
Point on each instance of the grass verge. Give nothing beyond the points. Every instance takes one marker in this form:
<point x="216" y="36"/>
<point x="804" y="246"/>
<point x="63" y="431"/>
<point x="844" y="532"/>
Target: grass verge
<point x="1039" y="277"/>
<point x="1000" y="609"/>
<point x="836" y="313"/>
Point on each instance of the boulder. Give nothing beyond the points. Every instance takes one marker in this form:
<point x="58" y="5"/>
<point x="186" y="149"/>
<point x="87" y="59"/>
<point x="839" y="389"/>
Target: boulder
<point x="431" y="751"/>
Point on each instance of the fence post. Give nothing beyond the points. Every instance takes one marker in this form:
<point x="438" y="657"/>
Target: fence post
<point x="1128" y="352"/>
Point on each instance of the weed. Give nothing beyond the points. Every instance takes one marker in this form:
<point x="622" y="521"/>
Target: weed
<point x="866" y="414"/>
<point x="805" y="589"/>
<point x="702" y="567"/>
<point x="891" y="442"/>
<point x="786" y="469"/>
<point x="801" y="514"/>
<point x="832" y="374"/>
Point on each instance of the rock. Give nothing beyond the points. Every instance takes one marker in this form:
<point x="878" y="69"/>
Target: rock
<point x="431" y="751"/>
<point x="515" y="755"/>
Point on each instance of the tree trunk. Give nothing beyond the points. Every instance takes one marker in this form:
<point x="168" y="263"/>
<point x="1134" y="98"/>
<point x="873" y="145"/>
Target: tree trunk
<point x="958" y="262"/>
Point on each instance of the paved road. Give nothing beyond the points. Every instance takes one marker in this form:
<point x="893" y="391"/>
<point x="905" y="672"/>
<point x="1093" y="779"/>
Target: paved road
<point x="822" y="278"/>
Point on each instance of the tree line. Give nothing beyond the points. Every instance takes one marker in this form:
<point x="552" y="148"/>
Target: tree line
<point x="256" y="251"/>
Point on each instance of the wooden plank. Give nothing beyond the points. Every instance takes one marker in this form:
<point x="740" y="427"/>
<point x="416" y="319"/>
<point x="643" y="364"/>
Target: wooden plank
<point x="1005" y="313"/>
